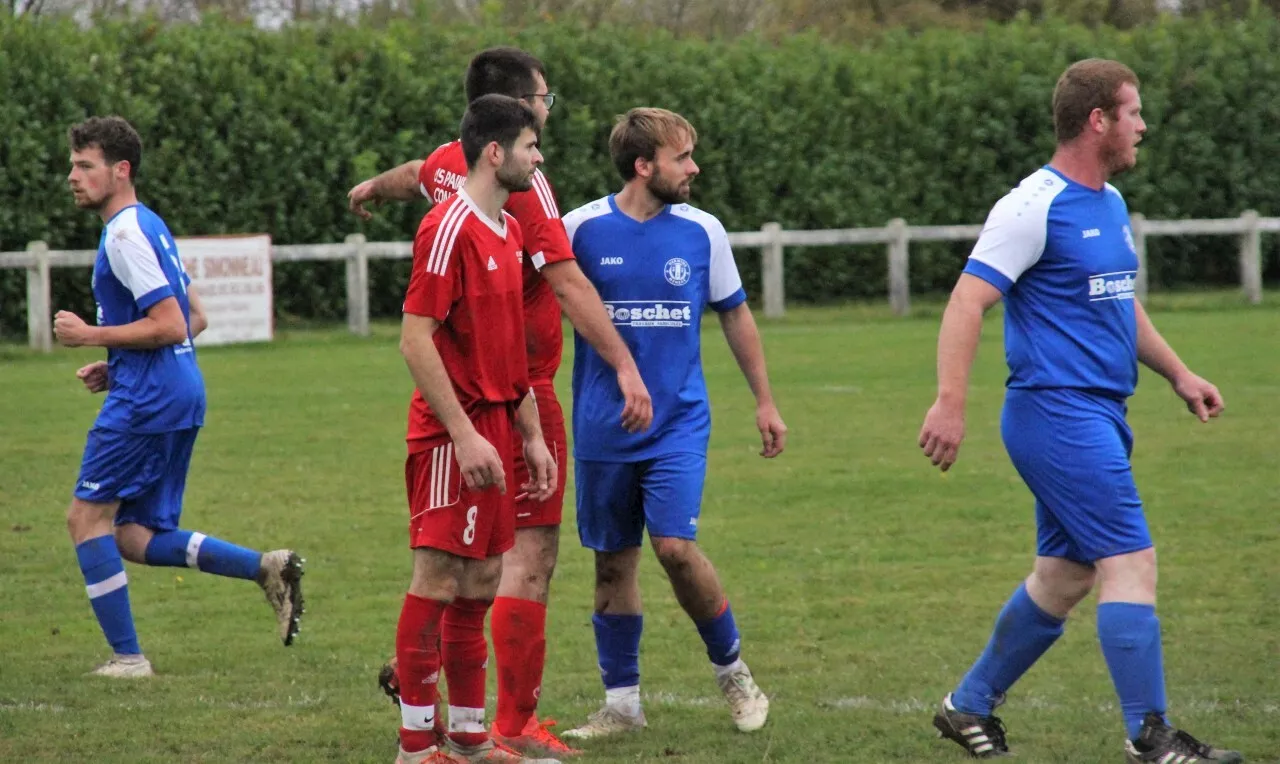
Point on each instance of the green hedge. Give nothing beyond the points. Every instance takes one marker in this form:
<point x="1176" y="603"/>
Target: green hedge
<point x="249" y="130"/>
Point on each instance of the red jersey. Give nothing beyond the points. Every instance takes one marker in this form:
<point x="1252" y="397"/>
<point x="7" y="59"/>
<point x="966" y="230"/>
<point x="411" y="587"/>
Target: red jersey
<point x="467" y="275"/>
<point x="545" y="240"/>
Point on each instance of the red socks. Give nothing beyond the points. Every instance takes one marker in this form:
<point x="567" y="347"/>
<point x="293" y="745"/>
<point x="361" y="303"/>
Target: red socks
<point x="428" y="627"/>
<point x="520" y="646"/>
<point x="418" y="656"/>
<point x="466" y="653"/>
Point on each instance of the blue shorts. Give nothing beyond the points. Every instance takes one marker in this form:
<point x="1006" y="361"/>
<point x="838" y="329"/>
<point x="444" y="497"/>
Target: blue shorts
<point x="1072" y="450"/>
<point x="617" y="501"/>
<point x="146" y="473"/>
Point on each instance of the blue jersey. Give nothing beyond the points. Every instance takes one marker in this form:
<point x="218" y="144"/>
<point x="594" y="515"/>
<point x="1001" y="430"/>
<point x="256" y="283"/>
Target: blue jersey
<point x="137" y="266"/>
<point x="1064" y="258"/>
<point x="655" y="278"/>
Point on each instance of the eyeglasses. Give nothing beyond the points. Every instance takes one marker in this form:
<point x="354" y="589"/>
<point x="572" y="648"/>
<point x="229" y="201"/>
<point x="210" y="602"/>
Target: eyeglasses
<point x="547" y="98"/>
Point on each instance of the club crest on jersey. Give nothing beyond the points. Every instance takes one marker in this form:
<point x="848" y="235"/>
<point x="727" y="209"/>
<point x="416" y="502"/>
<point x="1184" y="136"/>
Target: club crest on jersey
<point x="677" y="271"/>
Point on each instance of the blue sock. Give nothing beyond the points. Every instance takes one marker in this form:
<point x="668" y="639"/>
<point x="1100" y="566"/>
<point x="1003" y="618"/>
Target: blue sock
<point x="1130" y="637"/>
<point x="179" y="549"/>
<point x="108" y="589"/>
<point x="618" y="649"/>
<point x="721" y="637"/>
<point x="1022" y="634"/>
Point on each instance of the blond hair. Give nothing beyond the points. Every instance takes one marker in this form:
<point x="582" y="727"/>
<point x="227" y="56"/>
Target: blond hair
<point x="641" y="131"/>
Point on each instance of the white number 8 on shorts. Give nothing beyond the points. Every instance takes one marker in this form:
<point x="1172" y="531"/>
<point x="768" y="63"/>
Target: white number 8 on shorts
<point x="469" y="533"/>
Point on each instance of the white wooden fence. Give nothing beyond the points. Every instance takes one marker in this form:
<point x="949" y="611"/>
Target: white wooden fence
<point x="771" y="240"/>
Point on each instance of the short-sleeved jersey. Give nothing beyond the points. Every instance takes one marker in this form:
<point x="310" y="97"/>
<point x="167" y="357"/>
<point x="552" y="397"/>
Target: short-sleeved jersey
<point x="1064" y="258"/>
<point x="544" y="239"/>
<point x="467" y="275"/>
<point x="137" y="266"/>
<point x="655" y="279"/>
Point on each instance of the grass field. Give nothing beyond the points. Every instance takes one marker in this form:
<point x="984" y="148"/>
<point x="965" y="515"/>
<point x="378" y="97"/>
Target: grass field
<point x="864" y="582"/>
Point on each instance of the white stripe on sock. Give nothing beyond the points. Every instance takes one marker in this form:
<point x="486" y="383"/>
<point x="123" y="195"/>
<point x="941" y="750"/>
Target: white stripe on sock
<point x="417" y="717"/>
<point x="118" y="581"/>
<point x="466" y="719"/>
<point x="193" y="550"/>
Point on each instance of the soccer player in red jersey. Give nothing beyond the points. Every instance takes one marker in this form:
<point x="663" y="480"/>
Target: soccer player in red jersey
<point x="463" y="341"/>
<point x="552" y="279"/>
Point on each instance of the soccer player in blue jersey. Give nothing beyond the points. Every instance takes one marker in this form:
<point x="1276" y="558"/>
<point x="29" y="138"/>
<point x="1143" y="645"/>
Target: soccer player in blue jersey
<point x="1059" y="250"/>
<point x="128" y="498"/>
<point x="657" y="263"/>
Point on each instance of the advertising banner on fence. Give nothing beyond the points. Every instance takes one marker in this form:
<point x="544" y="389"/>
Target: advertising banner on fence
<point x="233" y="277"/>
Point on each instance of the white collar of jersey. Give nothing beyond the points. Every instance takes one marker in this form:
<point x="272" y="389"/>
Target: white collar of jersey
<point x="498" y="228"/>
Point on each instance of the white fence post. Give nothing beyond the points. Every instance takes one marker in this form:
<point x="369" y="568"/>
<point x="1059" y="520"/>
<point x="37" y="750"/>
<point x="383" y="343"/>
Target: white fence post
<point x="899" y="272"/>
<point x="1138" y="224"/>
<point x="1251" y="258"/>
<point x="39" y="298"/>
<point x="772" y="282"/>
<point x="357" y="286"/>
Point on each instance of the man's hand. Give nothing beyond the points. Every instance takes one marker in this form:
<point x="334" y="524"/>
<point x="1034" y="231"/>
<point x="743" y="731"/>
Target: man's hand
<point x="1203" y="399"/>
<point x="360" y="195"/>
<point x="71" y="330"/>
<point x="94" y="376"/>
<point x="542" y="470"/>
<point x="773" y="433"/>
<point x="637" y="406"/>
<point x="942" y="433"/>
<point x="479" y="462"/>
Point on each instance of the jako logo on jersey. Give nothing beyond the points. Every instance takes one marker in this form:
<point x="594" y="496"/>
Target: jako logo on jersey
<point x="611" y="261"/>
<point x="1090" y="233"/>
<point x="640" y="313"/>
<point x="1111" y="286"/>
<point x="677" y="271"/>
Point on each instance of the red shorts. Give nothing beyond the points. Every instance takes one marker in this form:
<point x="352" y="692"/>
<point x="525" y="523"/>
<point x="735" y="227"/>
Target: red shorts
<point x="535" y="514"/>
<point x="443" y="513"/>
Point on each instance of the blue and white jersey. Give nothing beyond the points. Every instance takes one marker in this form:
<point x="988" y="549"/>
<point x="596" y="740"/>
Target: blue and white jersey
<point x="1064" y="258"/>
<point x="137" y="266"/>
<point x="655" y="279"/>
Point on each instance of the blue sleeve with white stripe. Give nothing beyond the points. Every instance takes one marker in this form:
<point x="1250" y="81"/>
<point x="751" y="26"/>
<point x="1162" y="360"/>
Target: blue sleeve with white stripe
<point x="1012" y="240"/>
<point x="135" y="263"/>
<point x="724" y="290"/>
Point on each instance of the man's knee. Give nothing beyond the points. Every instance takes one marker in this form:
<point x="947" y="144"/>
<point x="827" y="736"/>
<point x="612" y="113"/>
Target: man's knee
<point x="535" y="552"/>
<point x="436" y="574"/>
<point x="132" y="540"/>
<point x="676" y="555"/>
<point x="1058" y="585"/>
<point x="617" y="581"/>
<point x="480" y="578"/>
<point x="1129" y="577"/>
<point x="90" y="519"/>
<point x="616" y="569"/>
